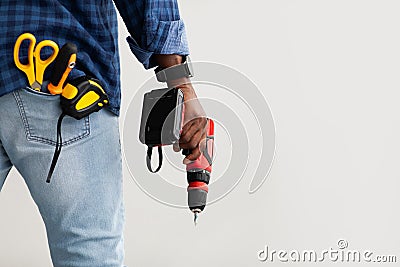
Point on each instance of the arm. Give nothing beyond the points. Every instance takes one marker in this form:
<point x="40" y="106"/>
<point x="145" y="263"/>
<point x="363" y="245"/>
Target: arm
<point x="158" y="38"/>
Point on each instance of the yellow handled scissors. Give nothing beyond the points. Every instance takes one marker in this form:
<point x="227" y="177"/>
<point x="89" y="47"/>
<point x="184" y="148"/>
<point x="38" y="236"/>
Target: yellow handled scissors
<point x="34" y="70"/>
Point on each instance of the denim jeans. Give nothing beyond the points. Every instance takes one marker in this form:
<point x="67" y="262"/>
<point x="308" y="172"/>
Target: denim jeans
<point x="82" y="207"/>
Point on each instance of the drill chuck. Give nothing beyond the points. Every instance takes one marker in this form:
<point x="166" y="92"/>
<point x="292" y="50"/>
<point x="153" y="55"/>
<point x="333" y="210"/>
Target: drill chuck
<point x="197" y="196"/>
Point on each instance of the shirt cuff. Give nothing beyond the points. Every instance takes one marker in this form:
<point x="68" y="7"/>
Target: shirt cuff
<point x="159" y="37"/>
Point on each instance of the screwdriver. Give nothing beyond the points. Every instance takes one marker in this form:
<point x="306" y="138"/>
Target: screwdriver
<point x="64" y="63"/>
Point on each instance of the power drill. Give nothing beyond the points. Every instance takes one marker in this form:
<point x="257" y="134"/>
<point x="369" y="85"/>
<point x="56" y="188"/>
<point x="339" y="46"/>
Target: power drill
<point x="198" y="174"/>
<point x="161" y="125"/>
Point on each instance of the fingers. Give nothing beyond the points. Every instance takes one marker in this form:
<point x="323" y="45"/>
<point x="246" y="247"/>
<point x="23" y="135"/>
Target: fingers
<point x="193" y="141"/>
<point x="190" y="137"/>
<point x="176" y="147"/>
<point x="193" y="156"/>
<point x="196" y="152"/>
<point x="193" y="137"/>
<point x="191" y="128"/>
<point x="187" y="132"/>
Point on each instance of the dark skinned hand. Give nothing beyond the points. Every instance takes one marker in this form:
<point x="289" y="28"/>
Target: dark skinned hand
<point x="193" y="133"/>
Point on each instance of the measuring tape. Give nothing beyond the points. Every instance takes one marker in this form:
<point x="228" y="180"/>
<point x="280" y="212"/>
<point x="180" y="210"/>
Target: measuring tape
<point x="83" y="96"/>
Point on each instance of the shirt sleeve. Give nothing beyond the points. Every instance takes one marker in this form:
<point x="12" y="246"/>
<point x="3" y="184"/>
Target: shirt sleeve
<point x="155" y="27"/>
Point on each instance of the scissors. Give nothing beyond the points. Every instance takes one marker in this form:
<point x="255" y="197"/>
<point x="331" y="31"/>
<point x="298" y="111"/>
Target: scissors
<point x="34" y="71"/>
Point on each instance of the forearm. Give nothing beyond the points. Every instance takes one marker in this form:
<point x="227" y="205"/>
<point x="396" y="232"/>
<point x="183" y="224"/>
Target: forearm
<point x="166" y="61"/>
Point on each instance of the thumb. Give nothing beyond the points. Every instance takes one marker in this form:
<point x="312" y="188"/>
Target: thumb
<point x="176" y="147"/>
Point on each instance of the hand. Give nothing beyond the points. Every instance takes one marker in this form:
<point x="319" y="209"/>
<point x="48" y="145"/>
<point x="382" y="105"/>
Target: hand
<point x="193" y="133"/>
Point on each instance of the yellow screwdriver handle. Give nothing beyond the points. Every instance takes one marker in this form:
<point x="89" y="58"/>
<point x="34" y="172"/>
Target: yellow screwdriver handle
<point x="58" y="88"/>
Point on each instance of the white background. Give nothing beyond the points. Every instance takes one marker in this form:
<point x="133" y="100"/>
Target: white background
<point x="329" y="70"/>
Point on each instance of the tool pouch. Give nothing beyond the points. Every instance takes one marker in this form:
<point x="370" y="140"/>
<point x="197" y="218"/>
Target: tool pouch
<point x="161" y="122"/>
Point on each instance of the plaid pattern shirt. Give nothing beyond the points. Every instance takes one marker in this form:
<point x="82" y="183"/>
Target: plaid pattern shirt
<point x="155" y="27"/>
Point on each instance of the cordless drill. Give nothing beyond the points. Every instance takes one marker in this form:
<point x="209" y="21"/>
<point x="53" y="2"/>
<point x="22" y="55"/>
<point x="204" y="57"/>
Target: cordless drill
<point x="161" y="125"/>
<point x="199" y="172"/>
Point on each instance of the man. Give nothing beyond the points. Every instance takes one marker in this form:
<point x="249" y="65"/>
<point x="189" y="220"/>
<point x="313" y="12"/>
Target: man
<point x="82" y="207"/>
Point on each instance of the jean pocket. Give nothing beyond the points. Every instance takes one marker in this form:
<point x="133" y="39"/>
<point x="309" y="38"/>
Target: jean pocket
<point x="40" y="111"/>
<point x="30" y="90"/>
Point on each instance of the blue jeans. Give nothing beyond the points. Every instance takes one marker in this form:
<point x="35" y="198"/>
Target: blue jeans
<point x="82" y="207"/>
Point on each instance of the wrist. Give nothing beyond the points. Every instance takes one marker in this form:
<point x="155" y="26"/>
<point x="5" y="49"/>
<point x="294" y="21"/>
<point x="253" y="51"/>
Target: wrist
<point x="176" y="74"/>
<point x="188" y="91"/>
<point x="178" y="83"/>
<point x="183" y="83"/>
<point x="166" y="61"/>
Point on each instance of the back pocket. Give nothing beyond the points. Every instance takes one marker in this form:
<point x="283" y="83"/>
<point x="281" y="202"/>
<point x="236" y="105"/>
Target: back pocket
<point x="39" y="113"/>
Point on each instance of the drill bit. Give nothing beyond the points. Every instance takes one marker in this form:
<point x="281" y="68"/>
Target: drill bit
<point x="196" y="215"/>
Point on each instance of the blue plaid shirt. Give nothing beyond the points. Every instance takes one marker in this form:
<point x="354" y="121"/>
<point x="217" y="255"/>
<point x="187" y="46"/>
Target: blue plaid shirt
<point x="155" y="27"/>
